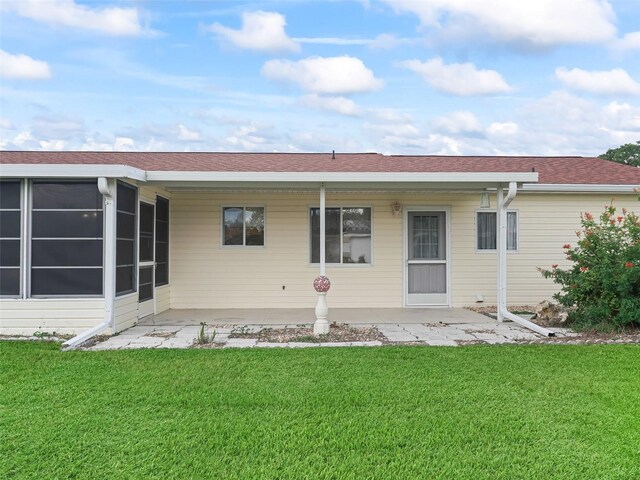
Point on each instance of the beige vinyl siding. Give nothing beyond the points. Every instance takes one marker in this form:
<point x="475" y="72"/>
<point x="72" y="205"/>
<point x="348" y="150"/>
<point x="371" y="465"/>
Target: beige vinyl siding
<point x="546" y="223"/>
<point x="65" y="315"/>
<point x="126" y="311"/>
<point x="163" y="298"/>
<point x="204" y="274"/>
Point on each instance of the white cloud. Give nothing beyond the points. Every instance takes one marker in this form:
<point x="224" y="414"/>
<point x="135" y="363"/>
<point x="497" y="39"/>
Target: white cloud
<point x="631" y="41"/>
<point x="23" y="66"/>
<point x="458" y="78"/>
<point x="186" y="135"/>
<point x="387" y="41"/>
<point x="503" y="128"/>
<point x="262" y="31"/>
<point x="622" y="116"/>
<point x="333" y="41"/>
<point x="57" y="127"/>
<point x="52" y="144"/>
<point x="124" y="144"/>
<point x="462" y="122"/>
<point x="539" y="23"/>
<point x="601" y="82"/>
<point x="107" y="20"/>
<point x="395" y="130"/>
<point x="383" y="41"/>
<point x="23" y="138"/>
<point x="341" y="105"/>
<point x="324" y="75"/>
<point x="6" y="124"/>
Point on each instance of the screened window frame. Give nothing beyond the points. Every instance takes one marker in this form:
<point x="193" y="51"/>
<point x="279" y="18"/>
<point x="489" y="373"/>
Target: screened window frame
<point x="155" y="249"/>
<point x="23" y="261"/>
<point x="341" y="264"/>
<point x="244" y="206"/>
<point x="28" y="243"/>
<point x="494" y="250"/>
<point x="136" y="201"/>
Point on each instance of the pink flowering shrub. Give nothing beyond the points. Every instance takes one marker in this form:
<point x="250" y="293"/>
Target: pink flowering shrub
<point x="602" y="286"/>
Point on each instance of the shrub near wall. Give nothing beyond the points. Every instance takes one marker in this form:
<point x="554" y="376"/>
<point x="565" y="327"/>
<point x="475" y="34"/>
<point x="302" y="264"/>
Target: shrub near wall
<point x="602" y="287"/>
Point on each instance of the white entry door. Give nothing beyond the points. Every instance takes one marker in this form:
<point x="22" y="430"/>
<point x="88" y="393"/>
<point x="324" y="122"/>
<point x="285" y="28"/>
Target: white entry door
<point x="146" y="264"/>
<point x="426" y="258"/>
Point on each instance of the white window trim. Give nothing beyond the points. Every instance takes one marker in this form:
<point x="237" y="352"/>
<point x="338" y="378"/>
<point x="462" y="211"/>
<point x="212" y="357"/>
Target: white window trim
<point x="339" y="265"/>
<point x="244" y="226"/>
<point x="493" y="251"/>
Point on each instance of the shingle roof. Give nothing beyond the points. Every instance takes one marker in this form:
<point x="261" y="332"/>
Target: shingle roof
<point x="552" y="170"/>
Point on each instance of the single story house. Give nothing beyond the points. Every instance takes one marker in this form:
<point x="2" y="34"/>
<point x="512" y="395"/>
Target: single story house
<point x="94" y="241"/>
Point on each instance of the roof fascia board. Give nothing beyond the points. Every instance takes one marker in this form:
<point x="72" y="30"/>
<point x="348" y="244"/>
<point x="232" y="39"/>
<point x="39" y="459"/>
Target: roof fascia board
<point x="342" y="177"/>
<point x="41" y="170"/>
<point x="577" y="188"/>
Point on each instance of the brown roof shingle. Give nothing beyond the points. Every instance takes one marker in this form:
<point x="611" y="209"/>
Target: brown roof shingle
<point x="557" y="170"/>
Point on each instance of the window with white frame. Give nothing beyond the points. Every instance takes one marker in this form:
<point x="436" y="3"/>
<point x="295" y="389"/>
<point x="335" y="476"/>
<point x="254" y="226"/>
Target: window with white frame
<point x="66" y="239"/>
<point x="243" y="226"/>
<point x="10" y="237"/>
<point x="347" y="235"/>
<point x="486" y="231"/>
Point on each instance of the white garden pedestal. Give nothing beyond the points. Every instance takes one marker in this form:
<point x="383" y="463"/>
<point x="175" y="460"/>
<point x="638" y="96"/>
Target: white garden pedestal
<point x="321" y="325"/>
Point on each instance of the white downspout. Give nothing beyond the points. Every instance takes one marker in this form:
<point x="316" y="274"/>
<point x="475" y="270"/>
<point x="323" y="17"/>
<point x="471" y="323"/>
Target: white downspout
<point x="503" y="312"/>
<point x="107" y="188"/>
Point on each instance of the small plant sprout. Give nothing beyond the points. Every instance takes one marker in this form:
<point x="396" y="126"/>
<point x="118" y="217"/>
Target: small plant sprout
<point x="205" y="337"/>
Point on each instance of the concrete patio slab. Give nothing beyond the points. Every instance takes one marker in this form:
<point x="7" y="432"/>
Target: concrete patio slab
<point x="305" y="316"/>
<point x="434" y="327"/>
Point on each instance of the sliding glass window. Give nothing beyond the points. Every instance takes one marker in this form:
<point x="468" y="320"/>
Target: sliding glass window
<point x="10" y="238"/>
<point x="66" y="239"/>
<point x="347" y="235"/>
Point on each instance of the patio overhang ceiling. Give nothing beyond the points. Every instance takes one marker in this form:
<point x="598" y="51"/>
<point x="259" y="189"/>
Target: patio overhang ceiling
<point x="337" y="181"/>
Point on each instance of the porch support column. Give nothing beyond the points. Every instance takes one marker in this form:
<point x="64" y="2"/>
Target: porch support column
<point x="321" y="284"/>
<point x="323" y="242"/>
<point x="501" y="240"/>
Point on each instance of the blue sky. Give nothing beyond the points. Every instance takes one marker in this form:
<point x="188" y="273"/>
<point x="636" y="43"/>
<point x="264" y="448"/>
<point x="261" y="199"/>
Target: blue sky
<point x="471" y="77"/>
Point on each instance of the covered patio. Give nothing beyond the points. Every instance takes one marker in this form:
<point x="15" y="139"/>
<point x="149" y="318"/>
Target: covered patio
<point x="306" y="316"/>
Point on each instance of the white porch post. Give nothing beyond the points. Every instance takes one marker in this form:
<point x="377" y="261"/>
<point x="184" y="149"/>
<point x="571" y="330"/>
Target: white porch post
<point x="501" y="240"/>
<point x="321" y="325"/>
<point x="322" y="229"/>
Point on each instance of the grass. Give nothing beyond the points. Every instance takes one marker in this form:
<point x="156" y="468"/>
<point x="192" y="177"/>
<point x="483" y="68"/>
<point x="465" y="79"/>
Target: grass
<point x="478" y="412"/>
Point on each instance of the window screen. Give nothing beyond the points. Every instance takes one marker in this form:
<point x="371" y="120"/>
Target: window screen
<point x="10" y="235"/>
<point x="487" y="230"/>
<point x="162" y="241"/>
<point x="126" y="239"/>
<point x="66" y="239"/>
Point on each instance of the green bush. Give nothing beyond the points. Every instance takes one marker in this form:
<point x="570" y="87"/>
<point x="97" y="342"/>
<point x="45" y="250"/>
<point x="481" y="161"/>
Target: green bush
<point x="602" y="287"/>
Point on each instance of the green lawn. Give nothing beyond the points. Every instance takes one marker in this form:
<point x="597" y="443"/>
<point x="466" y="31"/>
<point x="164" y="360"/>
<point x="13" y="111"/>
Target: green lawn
<point x="476" y="412"/>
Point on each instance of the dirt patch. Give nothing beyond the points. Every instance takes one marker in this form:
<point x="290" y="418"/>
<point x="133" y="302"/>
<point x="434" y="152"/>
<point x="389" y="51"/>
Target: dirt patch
<point x="337" y="333"/>
<point x="160" y="334"/>
<point x="492" y="309"/>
